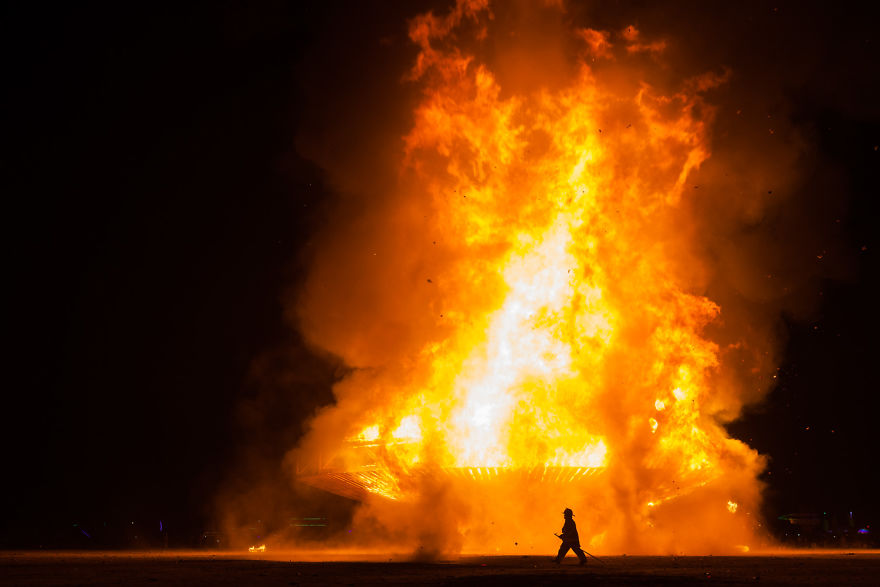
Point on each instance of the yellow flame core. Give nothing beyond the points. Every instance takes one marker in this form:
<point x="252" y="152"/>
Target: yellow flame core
<point x="581" y="274"/>
<point x="572" y="335"/>
<point x="368" y="434"/>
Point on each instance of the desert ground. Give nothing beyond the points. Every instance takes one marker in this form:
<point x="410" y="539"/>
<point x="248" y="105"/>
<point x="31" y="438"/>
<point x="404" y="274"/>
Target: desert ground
<point x="297" y="568"/>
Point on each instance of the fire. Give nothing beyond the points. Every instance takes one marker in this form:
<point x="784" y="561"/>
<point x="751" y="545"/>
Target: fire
<point x="260" y="548"/>
<point x="572" y="343"/>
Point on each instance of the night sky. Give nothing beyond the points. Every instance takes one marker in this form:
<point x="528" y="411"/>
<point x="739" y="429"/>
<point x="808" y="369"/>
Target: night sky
<point x="158" y="212"/>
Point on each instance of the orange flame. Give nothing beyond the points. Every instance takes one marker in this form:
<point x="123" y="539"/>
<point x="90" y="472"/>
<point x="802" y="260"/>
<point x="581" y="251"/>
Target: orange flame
<point x="570" y="341"/>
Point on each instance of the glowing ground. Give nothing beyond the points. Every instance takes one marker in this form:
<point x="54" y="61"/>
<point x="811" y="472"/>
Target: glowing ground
<point x="298" y="568"/>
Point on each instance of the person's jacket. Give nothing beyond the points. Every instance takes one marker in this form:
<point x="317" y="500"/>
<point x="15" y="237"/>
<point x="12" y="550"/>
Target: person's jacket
<point x="570" y="532"/>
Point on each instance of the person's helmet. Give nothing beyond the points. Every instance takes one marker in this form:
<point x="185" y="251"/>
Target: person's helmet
<point x="567" y="513"/>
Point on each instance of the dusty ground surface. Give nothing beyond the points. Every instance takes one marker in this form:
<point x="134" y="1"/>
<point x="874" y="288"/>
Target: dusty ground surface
<point x="179" y="568"/>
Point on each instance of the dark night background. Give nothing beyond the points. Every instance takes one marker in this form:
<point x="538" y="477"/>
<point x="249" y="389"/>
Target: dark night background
<point x="156" y="212"/>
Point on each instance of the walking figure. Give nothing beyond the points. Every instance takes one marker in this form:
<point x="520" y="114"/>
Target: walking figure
<point x="569" y="539"/>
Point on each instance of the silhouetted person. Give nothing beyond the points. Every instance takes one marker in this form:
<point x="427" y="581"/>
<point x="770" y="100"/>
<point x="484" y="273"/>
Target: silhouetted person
<point x="569" y="539"/>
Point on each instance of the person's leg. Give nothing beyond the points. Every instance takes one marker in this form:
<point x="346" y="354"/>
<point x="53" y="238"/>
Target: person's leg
<point x="580" y="553"/>
<point x="563" y="548"/>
